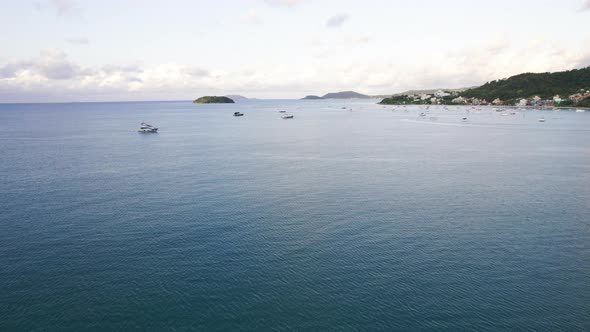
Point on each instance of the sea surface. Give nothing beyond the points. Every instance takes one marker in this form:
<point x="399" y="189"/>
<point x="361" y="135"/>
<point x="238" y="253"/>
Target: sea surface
<point x="360" y="219"/>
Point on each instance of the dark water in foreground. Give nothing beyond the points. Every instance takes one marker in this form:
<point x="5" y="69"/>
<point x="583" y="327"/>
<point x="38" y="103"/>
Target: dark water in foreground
<point x="335" y="220"/>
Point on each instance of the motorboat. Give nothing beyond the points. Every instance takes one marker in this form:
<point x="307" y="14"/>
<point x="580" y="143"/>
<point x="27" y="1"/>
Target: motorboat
<point x="464" y="119"/>
<point x="541" y="119"/>
<point x="422" y="114"/>
<point x="147" y="128"/>
<point x="282" y="111"/>
<point x="287" y="116"/>
<point x="580" y="111"/>
<point x="238" y="114"/>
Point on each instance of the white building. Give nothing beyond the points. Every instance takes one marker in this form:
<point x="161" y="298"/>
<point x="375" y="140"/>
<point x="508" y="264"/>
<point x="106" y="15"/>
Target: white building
<point x="441" y="93"/>
<point x="459" y="100"/>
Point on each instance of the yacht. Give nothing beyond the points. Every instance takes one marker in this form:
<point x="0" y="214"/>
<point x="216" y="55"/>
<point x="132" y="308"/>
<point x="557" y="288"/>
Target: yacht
<point x="287" y="116"/>
<point x="146" y="128"/>
<point x="580" y="111"/>
<point x="541" y="119"/>
<point x="238" y="114"/>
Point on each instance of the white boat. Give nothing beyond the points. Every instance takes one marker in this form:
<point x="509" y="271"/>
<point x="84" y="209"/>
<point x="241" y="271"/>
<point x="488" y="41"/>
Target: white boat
<point x="580" y="111"/>
<point x="146" y="128"/>
<point x="504" y="114"/>
<point x="541" y="119"/>
<point x="287" y="116"/>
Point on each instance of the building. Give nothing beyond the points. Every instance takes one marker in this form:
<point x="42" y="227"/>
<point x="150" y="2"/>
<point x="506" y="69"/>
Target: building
<point x="459" y="100"/>
<point x="441" y="93"/>
<point x="498" y="101"/>
<point x="576" y="98"/>
<point x="557" y="99"/>
<point x="522" y="102"/>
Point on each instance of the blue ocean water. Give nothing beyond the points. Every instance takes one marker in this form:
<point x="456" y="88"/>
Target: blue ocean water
<point x="370" y="219"/>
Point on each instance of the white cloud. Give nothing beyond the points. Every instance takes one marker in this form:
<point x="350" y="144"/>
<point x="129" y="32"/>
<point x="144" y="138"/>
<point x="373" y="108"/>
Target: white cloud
<point x="586" y="5"/>
<point x="252" y="17"/>
<point x="52" y="76"/>
<point x="284" y="3"/>
<point x="61" y="8"/>
<point x="78" y="41"/>
<point x="336" y="21"/>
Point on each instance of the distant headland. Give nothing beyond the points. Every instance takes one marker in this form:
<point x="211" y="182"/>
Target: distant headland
<point x="338" y="95"/>
<point x="213" y="100"/>
<point x="237" y="98"/>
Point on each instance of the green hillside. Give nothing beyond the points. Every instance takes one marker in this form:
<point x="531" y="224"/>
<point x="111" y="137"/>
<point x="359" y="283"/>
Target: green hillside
<point x="545" y="85"/>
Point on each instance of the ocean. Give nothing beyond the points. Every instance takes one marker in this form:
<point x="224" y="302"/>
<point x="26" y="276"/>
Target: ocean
<point x="360" y="219"/>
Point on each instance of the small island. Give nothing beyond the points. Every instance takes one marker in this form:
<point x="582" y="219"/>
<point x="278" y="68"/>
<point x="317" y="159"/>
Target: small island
<point x="311" y="97"/>
<point x="213" y="100"/>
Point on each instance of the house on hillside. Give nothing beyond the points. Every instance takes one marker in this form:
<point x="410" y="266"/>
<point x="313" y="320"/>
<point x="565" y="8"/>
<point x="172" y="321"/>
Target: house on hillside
<point x="498" y="101"/>
<point x="557" y="99"/>
<point x="459" y="100"/>
<point x="522" y="102"/>
<point x="441" y="93"/>
<point x="576" y="98"/>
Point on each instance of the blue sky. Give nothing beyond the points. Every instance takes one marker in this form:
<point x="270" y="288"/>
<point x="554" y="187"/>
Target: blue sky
<point x="69" y="50"/>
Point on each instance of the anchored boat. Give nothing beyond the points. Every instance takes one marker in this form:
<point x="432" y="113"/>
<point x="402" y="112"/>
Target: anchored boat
<point x="147" y="128"/>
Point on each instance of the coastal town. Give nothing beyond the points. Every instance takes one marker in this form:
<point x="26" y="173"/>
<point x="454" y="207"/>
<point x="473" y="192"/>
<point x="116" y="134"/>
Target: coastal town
<point x="442" y="97"/>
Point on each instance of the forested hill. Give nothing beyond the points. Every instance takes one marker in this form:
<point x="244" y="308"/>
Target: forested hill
<point x="545" y="85"/>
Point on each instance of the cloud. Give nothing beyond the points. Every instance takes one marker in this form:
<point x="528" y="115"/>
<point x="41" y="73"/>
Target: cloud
<point x="197" y="72"/>
<point x="252" y="17"/>
<point x="336" y="21"/>
<point x="585" y="5"/>
<point x="78" y="41"/>
<point x="61" y="8"/>
<point x="121" y="68"/>
<point x="51" y="64"/>
<point x="284" y="3"/>
<point x="53" y="76"/>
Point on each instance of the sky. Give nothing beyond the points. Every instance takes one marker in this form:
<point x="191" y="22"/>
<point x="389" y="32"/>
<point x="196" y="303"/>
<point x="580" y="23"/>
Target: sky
<point x="126" y="50"/>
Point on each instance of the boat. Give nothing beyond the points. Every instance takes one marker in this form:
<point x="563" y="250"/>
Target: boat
<point x="282" y="111"/>
<point x="541" y="119"/>
<point x="287" y="116"/>
<point x="147" y="128"/>
<point x="464" y="119"/>
<point x="513" y="113"/>
<point x="422" y="114"/>
<point x="580" y="111"/>
<point x="238" y="114"/>
<point x="504" y="114"/>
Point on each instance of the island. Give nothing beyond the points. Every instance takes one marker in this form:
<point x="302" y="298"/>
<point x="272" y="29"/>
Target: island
<point x="339" y="95"/>
<point x="213" y="100"/>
